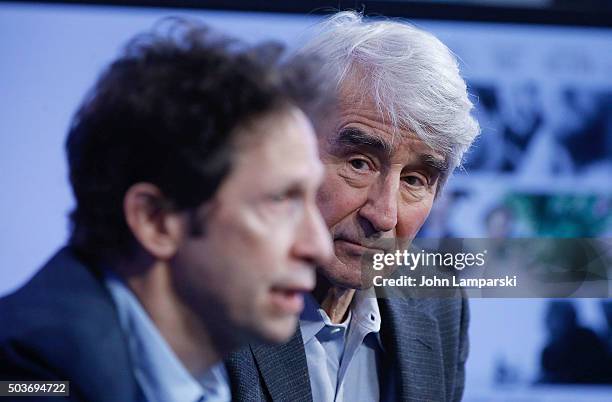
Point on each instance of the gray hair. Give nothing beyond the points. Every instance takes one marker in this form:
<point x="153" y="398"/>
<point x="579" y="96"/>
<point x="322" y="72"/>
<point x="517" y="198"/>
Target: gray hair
<point x="413" y="78"/>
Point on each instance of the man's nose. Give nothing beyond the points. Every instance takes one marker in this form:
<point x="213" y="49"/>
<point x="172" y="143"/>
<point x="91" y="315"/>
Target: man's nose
<point x="313" y="242"/>
<point x="380" y="209"/>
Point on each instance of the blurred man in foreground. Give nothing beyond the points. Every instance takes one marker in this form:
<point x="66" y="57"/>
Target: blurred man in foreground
<point x="400" y="127"/>
<point x="194" y="168"/>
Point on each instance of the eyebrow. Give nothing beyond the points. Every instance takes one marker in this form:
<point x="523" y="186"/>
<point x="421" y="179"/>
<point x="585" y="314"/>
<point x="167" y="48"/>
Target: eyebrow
<point x="441" y="165"/>
<point x="354" y="137"/>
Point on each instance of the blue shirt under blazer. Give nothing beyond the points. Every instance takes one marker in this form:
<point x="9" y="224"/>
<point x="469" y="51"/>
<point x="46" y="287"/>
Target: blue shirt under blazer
<point x="425" y="348"/>
<point x="64" y="325"/>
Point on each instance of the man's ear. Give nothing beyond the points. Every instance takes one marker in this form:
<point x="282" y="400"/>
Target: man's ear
<point x="157" y="228"/>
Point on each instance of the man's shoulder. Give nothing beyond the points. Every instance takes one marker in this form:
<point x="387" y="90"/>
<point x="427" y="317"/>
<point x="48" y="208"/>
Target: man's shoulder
<point x="435" y="321"/>
<point x="438" y="309"/>
<point x="270" y="372"/>
<point x="62" y="324"/>
<point x="64" y="293"/>
<point x="445" y="308"/>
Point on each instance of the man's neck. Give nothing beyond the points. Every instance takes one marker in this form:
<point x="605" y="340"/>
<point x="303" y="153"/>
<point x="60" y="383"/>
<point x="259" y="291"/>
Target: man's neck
<point x="334" y="300"/>
<point x="186" y="335"/>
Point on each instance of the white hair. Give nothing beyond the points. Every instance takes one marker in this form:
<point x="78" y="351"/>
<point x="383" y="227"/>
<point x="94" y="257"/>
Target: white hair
<point x="411" y="76"/>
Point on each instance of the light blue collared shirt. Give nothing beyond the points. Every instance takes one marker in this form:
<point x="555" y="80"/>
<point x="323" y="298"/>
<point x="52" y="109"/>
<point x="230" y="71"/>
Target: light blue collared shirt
<point x="160" y="374"/>
<point x="344" y="360"/>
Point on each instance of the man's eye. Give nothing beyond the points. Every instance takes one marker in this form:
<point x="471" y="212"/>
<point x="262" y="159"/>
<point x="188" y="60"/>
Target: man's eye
<point x="359" y="164"/>
<point x="288" y="200"/>
<point x="415" y="181"/>
<point x="279" y="197"/>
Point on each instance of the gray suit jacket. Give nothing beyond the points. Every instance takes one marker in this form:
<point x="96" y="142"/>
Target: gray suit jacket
<point x="425" y="344"/>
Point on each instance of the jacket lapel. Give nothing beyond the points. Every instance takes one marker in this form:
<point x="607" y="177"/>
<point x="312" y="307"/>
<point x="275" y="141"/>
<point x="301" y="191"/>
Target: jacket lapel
<point x="412" y="340"/>
<point x="284" y="370"/>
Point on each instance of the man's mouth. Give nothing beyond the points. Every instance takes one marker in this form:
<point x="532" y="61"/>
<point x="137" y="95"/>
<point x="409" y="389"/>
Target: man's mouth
<point x="355" y="247"/>
<point x="289" y="299"/>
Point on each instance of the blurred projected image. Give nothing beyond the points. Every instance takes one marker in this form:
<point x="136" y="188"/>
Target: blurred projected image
<point x="509" y="126"/>
<point x="574" y="353"/>
<point x="586" y="130"/>
<point x="521" y="214"/>
<point x="517" y="127"/>
<point x="540" y="169"/>
<point x="557" y="215"/>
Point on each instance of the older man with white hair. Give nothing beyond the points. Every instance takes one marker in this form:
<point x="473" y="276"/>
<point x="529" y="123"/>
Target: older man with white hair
<point x="400" y="127"/>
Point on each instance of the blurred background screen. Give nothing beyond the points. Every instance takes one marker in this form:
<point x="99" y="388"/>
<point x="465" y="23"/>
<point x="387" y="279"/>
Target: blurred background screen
<point x="540" y="74"/>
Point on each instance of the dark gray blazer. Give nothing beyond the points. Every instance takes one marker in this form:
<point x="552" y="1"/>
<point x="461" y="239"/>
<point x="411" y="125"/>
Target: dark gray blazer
<point x="62" y="325"/>
<point x="426" y="348"/>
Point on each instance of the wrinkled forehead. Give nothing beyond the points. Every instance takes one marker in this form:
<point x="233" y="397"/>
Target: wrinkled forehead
<point x="357" y="100"/>
<point x="401" y="147"/>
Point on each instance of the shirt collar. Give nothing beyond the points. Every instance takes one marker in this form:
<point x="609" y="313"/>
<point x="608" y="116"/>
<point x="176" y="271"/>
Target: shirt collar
<point x="367" y="314"/>
<point x="311" y="321"/>
<point x="364" y="311"/>
<point x="161" y="375"/>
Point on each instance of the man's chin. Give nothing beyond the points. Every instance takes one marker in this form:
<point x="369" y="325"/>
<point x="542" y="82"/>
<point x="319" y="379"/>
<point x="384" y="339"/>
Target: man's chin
<point x="345" y="274"/>
<point x="277" y="330"/>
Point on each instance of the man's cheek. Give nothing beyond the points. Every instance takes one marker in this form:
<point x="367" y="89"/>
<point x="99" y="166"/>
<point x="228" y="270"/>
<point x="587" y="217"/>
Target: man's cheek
<point x="325" y="203"/>
<point x="323" y="196"/>
<point x="410" y="223"/>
